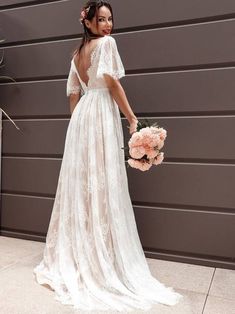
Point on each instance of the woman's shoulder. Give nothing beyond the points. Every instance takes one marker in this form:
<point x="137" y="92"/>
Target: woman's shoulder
<point x="109" y="38"/>
<point x="75" y="57"/>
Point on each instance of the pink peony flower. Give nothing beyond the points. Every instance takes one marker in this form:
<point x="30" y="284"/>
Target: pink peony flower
<point x="137" y="152"/>
<point x="146" y="142"/>
<point x="151" y="153"/>
<point x="162" y="134"/>
<point x="134" y="163"/>
<point x="83" y="14"/>
<point x="154" y="129"/>
<point x="158" y="160"/>
<point x="135" y="140"/>
<point x="152" y="140"/>
<point x="145" y="132"/>
<point x="142" y="165"/>
<point x="160" y="144"/>
<point x="145" y="165"/>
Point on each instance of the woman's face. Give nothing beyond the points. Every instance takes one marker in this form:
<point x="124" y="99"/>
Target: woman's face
<point x="105" y="22"/>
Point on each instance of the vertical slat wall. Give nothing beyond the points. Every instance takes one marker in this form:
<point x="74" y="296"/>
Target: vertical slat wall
<point x="179" y="60"/>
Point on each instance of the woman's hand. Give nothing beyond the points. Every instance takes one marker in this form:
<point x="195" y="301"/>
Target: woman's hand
<point x="133" y="125"/>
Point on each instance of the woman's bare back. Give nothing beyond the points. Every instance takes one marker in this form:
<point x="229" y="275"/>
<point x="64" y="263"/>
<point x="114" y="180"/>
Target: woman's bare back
<point x="82" y="60"/>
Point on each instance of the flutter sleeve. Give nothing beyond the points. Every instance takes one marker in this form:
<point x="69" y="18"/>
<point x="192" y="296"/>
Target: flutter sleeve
<point x="73" y="83"/>
<point x="109" y="60"/>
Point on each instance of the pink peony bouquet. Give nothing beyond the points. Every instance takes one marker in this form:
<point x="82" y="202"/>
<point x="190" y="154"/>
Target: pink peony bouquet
<point x="144" y="146"/>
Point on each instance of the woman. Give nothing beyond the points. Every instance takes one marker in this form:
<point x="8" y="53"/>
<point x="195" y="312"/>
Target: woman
<point x="93" y="258"/>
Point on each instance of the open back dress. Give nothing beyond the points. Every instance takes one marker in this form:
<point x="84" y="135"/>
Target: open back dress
<point x="93" y="258"/>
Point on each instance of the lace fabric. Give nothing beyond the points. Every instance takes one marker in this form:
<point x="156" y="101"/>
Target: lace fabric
<point x="109" y="61"/>
<point x="93" y="258"/>
<point x="105" y="59"/>
<point x="73" y="84"/>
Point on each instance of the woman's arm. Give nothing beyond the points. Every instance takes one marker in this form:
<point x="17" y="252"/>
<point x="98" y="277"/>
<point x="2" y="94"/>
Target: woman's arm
<point x="73" y="88"/>
<point x="119" y="96"/>
<point x="73" y="100"/>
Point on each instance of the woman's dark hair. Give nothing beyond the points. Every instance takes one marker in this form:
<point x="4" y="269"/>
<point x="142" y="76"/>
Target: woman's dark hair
<point x="93" y="12"/>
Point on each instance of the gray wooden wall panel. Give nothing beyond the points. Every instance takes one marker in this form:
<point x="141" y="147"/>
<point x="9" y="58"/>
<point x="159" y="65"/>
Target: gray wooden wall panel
<point x="177" y="47"/>
<point x="31" y="215"/>
<point x="151" y="224"/>
<point x="33" y="132"/>
<point x="183" y="78"/>
<point x="21" y="24"/>
<point x="195" y="185"/>
<point x="197" y="92"/>
<point x="12" y="2"/>
<point x="174" y="47"/>
<point x="17" y="24"/>
<point x="200" y="240"/>
<point x="172" y="181"/>
<point x="35" y="99"/>
<point x="188" y="137"/>
<point x="196" y="137"/>
<point x="33" y="176"/>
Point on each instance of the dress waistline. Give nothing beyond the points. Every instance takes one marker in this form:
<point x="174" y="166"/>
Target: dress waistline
<point x="96" y="89"/>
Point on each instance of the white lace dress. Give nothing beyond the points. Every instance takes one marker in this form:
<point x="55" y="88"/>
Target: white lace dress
<point x="93" y="258"/>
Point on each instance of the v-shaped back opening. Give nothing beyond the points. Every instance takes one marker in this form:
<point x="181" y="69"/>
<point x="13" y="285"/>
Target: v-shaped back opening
<point x="90" y="59"/>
